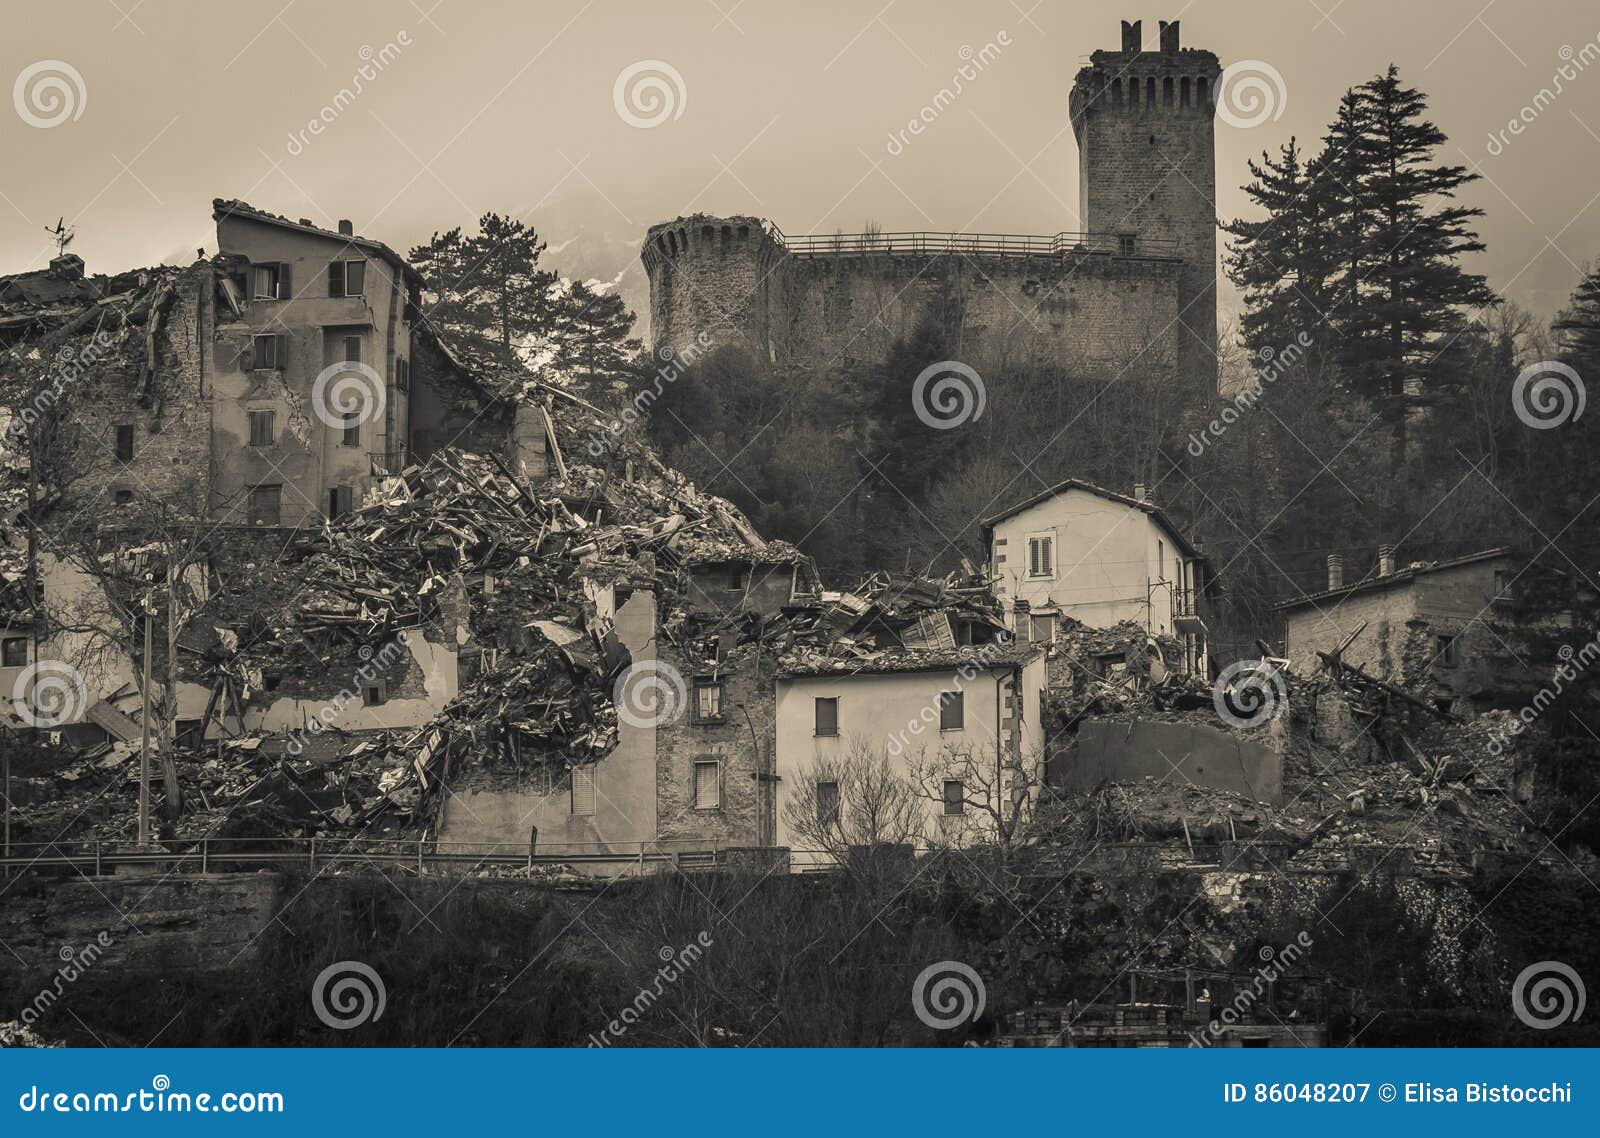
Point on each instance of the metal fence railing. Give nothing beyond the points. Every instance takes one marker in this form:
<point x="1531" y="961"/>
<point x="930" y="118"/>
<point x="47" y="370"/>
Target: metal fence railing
<point x="920" y="243"/>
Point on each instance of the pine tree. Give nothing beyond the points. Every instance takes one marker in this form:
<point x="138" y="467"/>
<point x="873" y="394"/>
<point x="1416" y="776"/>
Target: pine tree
<point x="1410" y="296"/>
<point x="587" y="337"/>
<point x="1579" y="324"/>
<point x="488" y="289"/>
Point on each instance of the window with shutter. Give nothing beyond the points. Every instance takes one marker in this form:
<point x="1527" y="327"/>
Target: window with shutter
<point x="1041" y="555"/>
<point x="583" y="791"/>
<point x="355" y="278"/>
<point x="285" y="281"/>
<point x="269" y="352"/>
<point x="955" y="797"/>
<point x="402" y="374"/>
<point x="336" y="279"/>
<point x="708" y="785"/>
<point x="352" y="349"/>
<point x="125" y="442"/>
<point x="708" y="701"/>
<point x="828" y="803"/>
<point x="263" y="428"/>
<point x="828" y="715"/>
<point x="266" y="282"/>
<point x="952" y="711"/>
<point x="352" y="429"/>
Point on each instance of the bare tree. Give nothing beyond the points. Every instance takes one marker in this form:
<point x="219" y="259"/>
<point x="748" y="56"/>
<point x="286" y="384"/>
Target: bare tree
<point x="858" y="807"/>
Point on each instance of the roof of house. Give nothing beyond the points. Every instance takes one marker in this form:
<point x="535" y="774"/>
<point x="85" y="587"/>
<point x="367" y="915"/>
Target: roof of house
<point x="1390" y="580"/>
<point x="985" y="657"/>
<point x="1150" y="508"/>
<point x="225" y="207"/>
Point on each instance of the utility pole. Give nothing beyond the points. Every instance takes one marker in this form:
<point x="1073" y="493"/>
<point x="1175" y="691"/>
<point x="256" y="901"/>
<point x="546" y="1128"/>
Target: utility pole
<point x="144" y="714"/>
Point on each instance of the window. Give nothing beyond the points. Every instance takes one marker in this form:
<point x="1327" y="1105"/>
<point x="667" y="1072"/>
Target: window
<point x="339" y="501"/>
<point x="125" y="442"/>
<point x="952" y="712"/>
<point x="268" y="352"/>
<point x="263" y="428"/>
<point x="737" y="579"/>
<point x="373" y="695"/>
<point x="347" y="278"/>
<point x="708" y="785"/>
<point x="402" y="374"/>
<point x="189" y="737"/>
<point x="266" y="505"/>
<point x="1447" y="651"/>
<point x="271" y="281"/>
<point x="352" y="429"/>
<point x="352" y="349"/>
<point x="1161" y="560"/>
<point x="1042" y="628"/>
<point x="583" y="792"/>
<point x="708" y="701"/>
<point x="1042" y="555"/>
<point x="828" y="715"/>
<point x="122" y="497"/>
<point x="955" y="797"/>
<point x="14" y="652"/>
<point x="827" y="803"/>
<point x="1125" y="244"/>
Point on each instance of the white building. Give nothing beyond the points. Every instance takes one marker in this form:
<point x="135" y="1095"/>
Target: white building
<point x="1080" y="551"/>
<point x="920" y="709"/>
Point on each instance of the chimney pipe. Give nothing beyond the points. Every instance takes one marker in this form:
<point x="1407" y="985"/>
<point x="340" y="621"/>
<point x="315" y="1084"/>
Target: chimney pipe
<point x="1138" y="491"/>
<point x="68" y="266"/>
<point x="345" y="228"/>
<point x="1385" y="560"/>
<point x="1132" y="37"/>
<point x="1335" y="571"/>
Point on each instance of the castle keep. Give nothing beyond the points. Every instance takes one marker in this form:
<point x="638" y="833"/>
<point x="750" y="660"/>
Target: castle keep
<point x="1137" y="287"/>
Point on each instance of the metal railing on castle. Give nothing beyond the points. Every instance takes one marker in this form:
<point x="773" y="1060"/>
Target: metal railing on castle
<point x="921" y="243"/>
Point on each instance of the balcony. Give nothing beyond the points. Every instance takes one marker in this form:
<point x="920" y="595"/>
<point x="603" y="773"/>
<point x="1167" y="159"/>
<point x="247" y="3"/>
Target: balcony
<point x="1185" y="613"/>
<point x="387" y="461"/>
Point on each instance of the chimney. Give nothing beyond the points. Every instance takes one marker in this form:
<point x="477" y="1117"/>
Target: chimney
<point x="1385" y="560"/>
<point x="68" y="266"/>
<point x="1335" y="571"/>
<point x="345" y="228"/>
<point x="1169" y="37"/>
<point x="1138" y="491"/>
<point x="1132" y="37"/>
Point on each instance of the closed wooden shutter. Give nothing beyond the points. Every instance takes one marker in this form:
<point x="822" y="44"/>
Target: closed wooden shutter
<point x="707" y="785"/>
<point x="285" y="281"/>
<point x="828" y="716"/>
<point x="336" y="279"/>
<point x="952" y="711"/>
<point x="582" y="791"/>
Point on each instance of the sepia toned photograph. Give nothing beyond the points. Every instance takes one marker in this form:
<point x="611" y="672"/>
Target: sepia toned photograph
<point x="724" y="524"/>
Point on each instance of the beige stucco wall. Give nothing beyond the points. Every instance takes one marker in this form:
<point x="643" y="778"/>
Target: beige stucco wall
<point x="308" y="457"/>
<point x="898" y="713"/>
<point x="1108" y="557"/>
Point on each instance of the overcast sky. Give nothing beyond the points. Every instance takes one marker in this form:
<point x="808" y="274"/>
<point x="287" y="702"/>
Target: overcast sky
<point x="785" y="111"/>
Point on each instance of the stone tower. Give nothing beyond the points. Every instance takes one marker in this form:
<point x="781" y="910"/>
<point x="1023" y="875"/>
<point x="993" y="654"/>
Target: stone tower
<point x="1147" y="167"/>
<point x="711" y="282"/>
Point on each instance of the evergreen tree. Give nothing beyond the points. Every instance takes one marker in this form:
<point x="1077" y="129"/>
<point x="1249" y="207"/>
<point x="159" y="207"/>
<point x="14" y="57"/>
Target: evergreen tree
<point x="906" y="452"/>
<point x="487" y="289"/>
<point x="1579" y="325"/>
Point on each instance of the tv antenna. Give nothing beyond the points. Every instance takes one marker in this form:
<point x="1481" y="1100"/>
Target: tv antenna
<point x="62" y="234"/>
